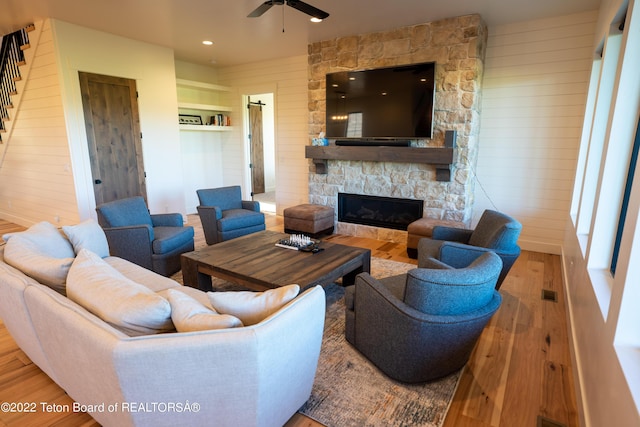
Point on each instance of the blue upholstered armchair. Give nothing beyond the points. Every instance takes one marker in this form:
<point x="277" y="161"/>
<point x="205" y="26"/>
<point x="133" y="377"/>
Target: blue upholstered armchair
<point x="495" y="232"/>
<point x="225" y="216"/>
<point x="154" y="242"/>
<point x="423" y="325"/>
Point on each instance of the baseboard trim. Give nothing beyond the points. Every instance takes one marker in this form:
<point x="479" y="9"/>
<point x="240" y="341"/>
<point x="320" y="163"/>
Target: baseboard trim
<point x="546" y="248"/>
<point x="16" y="219"/>
<point x="578" y="381"/>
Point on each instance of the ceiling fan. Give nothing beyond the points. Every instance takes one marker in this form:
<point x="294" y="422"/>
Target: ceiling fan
<point x="298" y="5"/>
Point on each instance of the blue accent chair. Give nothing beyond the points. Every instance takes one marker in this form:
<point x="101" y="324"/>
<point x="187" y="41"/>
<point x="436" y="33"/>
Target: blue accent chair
<point x="422" y="325"/>
<point x="495" y="232"/>
<point x="225" y="216"/>
<point x="154" y="242"/>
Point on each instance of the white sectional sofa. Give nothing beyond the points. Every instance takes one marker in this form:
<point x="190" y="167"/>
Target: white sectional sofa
<point x="257" y="375"/>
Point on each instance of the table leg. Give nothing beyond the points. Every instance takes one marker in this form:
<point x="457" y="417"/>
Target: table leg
<point x="192" y="277"/>
<point x="204" y="282"/>
<point x="350" y="278"/>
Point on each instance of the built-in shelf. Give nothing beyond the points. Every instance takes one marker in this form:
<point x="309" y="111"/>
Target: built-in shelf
<point x="190" y="90"/>
<point x="206" y="107"/>
<point x="205" y="128"/>
<point x="202" y="85"/>
<point x="441" y="157"/>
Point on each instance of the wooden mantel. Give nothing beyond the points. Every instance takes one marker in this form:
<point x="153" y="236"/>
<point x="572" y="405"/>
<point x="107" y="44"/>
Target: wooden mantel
<point x="441" y="157"/>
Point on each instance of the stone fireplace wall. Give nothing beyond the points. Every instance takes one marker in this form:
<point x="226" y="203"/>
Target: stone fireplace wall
<point x="458" y="47"/>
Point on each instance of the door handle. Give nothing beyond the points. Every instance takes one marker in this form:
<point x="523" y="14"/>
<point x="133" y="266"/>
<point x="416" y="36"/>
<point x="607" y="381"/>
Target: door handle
<point x="97" y="181"/>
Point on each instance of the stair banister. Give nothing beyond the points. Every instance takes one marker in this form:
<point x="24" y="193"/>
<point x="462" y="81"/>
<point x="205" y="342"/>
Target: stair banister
<point x="11" y="57"/>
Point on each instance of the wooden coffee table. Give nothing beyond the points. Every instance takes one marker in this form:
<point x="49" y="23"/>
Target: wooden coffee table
<point x="254" y="262"/>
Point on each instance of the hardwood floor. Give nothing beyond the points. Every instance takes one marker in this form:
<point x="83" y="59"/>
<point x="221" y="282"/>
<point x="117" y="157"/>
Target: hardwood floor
<point x="520" y="369"/>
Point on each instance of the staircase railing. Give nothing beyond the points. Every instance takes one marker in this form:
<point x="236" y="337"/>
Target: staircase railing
<point x="11" y="57"/>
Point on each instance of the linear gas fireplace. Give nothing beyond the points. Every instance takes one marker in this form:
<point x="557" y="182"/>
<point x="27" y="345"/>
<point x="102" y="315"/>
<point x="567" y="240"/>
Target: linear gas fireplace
<point x="385" y="212"/>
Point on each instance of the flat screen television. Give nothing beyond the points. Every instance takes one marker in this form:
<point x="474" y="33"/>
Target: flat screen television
<point x="381" y="103"/>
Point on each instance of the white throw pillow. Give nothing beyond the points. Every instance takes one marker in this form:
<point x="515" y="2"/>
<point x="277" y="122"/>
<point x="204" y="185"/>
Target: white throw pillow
<point x="87" y="235"/>
<point x="119" y="301"/>
<point x="49" y="239"/>
<point x="189" y="315"/>
<point x="41" y="252"/>
<point x="252" y="307"/>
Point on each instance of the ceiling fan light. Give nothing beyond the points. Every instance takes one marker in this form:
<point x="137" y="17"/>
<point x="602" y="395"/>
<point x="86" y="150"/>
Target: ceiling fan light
<point x="314" y="19"/>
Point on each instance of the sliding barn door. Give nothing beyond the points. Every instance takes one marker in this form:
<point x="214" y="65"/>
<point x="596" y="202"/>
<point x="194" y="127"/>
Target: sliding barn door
<point x="257" y="149"/>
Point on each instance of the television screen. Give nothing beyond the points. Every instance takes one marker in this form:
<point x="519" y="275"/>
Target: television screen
<point x="394" y="102"/>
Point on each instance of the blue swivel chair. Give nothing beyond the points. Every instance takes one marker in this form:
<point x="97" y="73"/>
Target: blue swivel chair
<point x="422" y="325"/>
<point x="225" y="216"/>
<point x="154" y="242"/>
<point x="495" y="232"/>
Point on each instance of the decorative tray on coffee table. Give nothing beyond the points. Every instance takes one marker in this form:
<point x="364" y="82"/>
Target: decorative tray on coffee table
<point x="299" y="242"/>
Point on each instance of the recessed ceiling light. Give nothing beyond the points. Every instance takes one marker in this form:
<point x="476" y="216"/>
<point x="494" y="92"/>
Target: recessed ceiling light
<point x="315" y="20"/>
<point x="207" y="42"/>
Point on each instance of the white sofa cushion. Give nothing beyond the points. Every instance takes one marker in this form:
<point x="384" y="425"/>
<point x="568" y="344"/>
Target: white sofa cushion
<point x="189" y="315"/>
<point x="119" y="301"/>
<point x="252" y="307"/>
<point x="141" y="275"/>
<point x="41" y="252"/>
<point x="87" y="235"/>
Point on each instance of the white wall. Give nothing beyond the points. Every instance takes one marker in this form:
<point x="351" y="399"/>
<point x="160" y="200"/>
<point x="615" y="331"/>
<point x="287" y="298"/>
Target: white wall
<point x="196" y="72"/>
<point x="83" y="49"/>
<point x="36" y="180"/>
<point x="287" y="79"/>
<point x="534" y="92"/>
<point x="202" y="164"/>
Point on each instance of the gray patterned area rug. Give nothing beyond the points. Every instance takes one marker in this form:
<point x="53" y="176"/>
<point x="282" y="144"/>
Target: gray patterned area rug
<point x="350" y="391"/>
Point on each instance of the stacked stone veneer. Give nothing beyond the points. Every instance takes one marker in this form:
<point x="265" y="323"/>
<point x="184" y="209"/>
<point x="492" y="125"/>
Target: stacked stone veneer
<point x="458" y="46"/>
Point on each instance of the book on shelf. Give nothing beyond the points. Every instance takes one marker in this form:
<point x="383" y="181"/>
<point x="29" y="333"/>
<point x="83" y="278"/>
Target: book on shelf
<point x="219" y="120"/>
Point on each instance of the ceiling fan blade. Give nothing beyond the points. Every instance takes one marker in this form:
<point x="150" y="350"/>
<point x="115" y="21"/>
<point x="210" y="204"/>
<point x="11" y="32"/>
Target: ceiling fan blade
<point x="308" y="9"/>
<point x="260" y="9"/>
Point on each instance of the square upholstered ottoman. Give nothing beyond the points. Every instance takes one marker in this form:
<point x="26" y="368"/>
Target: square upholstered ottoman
<point x="312" y="220"/>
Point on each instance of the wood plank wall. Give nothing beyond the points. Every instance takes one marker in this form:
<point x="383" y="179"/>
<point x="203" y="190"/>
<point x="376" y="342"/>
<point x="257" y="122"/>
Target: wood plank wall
<point x="287" y="79"/>
<point x="36" y="180"/>
<point x="534" y="93"/>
